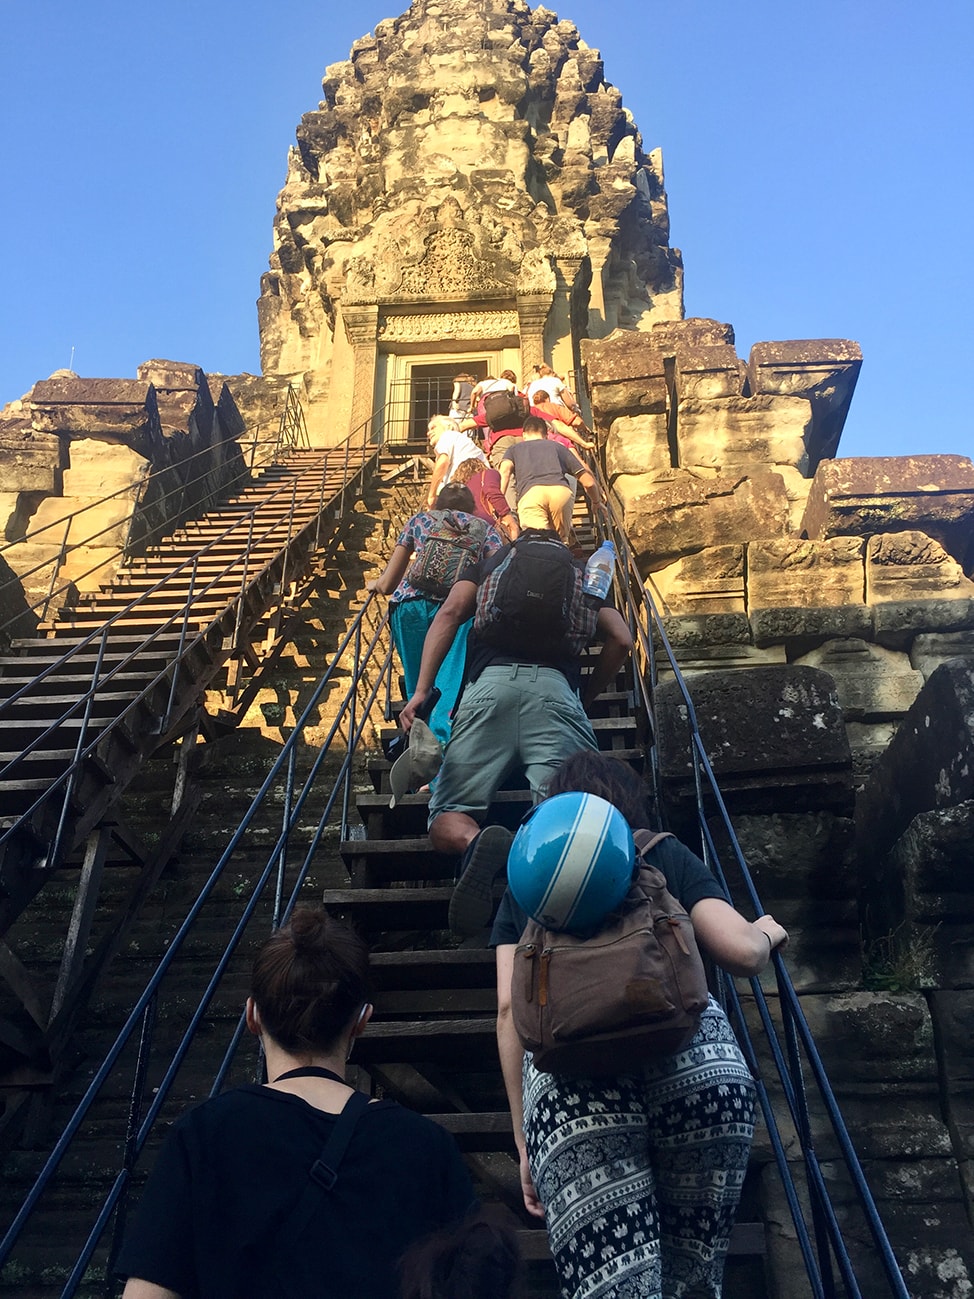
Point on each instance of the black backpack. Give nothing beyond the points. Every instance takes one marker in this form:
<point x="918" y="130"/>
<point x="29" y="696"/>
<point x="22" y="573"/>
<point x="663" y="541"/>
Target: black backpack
<point x="532" y="603"/>
<point x="505" y="410"/>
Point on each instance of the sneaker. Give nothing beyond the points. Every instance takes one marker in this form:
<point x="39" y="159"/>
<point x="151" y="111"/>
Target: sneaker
<point x="473" y="895"/>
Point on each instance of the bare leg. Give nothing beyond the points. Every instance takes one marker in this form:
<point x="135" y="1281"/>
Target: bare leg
<point x="453" y="832"/>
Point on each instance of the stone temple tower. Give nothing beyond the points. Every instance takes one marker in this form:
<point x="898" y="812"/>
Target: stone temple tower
<point x="471" y="194"/>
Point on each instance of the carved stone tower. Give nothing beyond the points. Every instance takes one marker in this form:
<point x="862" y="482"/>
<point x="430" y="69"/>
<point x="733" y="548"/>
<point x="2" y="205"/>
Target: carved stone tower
<point x="472" y="195"/>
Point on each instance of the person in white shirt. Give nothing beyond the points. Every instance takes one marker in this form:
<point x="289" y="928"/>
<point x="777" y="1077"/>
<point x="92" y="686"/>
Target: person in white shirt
<point x="451" y="448"/>
<point x="553" y="384"/>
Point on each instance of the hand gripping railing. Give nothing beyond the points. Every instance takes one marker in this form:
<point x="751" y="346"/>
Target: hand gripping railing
<point x="799" y="1053"/>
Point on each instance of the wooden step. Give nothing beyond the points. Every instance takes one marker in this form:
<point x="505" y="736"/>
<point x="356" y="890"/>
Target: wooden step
<point x="390" y="909"/>
<point x="375" y="861"/>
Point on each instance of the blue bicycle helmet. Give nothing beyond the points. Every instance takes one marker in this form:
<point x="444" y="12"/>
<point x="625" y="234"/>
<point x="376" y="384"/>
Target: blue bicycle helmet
<point x="571" y="862"/>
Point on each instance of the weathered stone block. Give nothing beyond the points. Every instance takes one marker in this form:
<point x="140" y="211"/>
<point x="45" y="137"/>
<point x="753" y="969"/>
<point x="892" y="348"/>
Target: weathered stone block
<point x="873" y="683"/>
<point x="871" y="1041"/>
<point x="637" y="444"/>
<point x="953" y="1014"/>
<point x="705" y="373"/>
<point x="868" y="740"/>
<point x="111" y="410"/>
<point x="669" y="336"/>
<point x="711" y="581"/>
<point x="729" y="432"/>
<point x="934" y="862"/>
<point x="625" y="374"/>
<point x="862" y="496"/>
<point x="824" y="370"/>
<point x="699" y="634"/>
<point x="16" y="616"/>
<point x="31" y="460"/>
<point x="701" y="651"/>
<point x="929" y="650"/>
<point x="806" y="589"/>
<point x="805" y="858"/>
<point x="803" y="869"/>
<point x="774" y="737"/>
<point x="675" y="516"/>
<point x="912" y="584"/>
<point x="922" y="1209"/>
<point x="921" y="911"/>
<point x="929" y="765"/>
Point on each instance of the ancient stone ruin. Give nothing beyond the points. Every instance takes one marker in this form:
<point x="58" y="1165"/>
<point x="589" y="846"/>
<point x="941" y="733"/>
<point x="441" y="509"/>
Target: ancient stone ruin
<point x="471" y="190"/>
<point x="472" y="194"/>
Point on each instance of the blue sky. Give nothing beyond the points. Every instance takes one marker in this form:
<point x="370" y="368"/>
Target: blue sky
<point x="818" y="164"/>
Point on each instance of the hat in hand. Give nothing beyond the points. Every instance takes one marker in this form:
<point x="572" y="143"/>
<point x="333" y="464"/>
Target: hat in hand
<point x="418" y="765"/>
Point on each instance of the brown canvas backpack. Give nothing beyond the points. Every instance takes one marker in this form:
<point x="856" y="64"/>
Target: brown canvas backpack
<point x="606" y="1004"/>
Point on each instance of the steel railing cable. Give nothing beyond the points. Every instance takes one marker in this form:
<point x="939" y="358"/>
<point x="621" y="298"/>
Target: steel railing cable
<point x="644" y="616"/>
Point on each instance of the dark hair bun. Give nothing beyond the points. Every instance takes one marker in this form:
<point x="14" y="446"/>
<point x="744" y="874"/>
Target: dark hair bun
<point x="310" y="980"/>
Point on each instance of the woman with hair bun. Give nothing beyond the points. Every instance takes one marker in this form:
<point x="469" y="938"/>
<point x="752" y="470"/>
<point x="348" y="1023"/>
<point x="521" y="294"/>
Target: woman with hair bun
<point x="252" y="1195"/>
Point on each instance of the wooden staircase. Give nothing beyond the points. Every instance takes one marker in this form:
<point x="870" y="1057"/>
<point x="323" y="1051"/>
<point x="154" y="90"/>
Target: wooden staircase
<point x="431" y="1044"/>
<point x="117" y="675"/>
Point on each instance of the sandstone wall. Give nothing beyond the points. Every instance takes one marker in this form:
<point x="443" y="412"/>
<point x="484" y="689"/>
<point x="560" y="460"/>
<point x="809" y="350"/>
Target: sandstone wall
<point x="100" y="467"/>
<point x="821" y="610"/>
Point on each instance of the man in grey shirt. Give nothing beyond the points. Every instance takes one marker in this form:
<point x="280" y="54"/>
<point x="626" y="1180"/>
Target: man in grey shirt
<point x="542" y="471"/>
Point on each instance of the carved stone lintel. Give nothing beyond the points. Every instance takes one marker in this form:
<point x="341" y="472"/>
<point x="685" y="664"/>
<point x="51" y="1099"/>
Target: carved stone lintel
<point x="437" y="325"/>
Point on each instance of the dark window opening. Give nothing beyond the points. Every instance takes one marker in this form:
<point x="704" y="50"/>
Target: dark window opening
<point x="430" y="390"/>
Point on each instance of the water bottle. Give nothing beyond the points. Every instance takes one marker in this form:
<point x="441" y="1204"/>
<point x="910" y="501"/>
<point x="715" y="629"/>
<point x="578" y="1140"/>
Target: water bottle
<point x="598" y="571"/>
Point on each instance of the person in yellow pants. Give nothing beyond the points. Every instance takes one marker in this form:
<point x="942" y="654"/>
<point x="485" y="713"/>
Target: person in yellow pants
<point x="541" y="470"/>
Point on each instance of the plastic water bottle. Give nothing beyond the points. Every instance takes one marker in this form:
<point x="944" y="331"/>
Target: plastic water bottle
<point x="598" y="571"/>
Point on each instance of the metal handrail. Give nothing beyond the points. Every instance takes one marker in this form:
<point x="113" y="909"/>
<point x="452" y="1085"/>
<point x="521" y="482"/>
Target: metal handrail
<point x="312" y="497"/>
<point x="137" y="1021"/>
<point x="16" y="580"/>
<point x="134" y="604"/>
<point x="639" y="605"/>
<point x="245" y="516"/>
<point x="645" y="618"/>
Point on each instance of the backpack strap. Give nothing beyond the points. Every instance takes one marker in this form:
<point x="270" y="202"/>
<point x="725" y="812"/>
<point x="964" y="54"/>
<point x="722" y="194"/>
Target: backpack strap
<point x="323" y="1173"/>
<point x="646" y="841"/>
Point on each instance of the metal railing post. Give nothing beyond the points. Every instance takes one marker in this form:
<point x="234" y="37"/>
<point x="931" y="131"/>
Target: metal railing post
<point x="131" y="1138"/>
<point x="79" y="748"/>
<point x="58" y="563"/>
